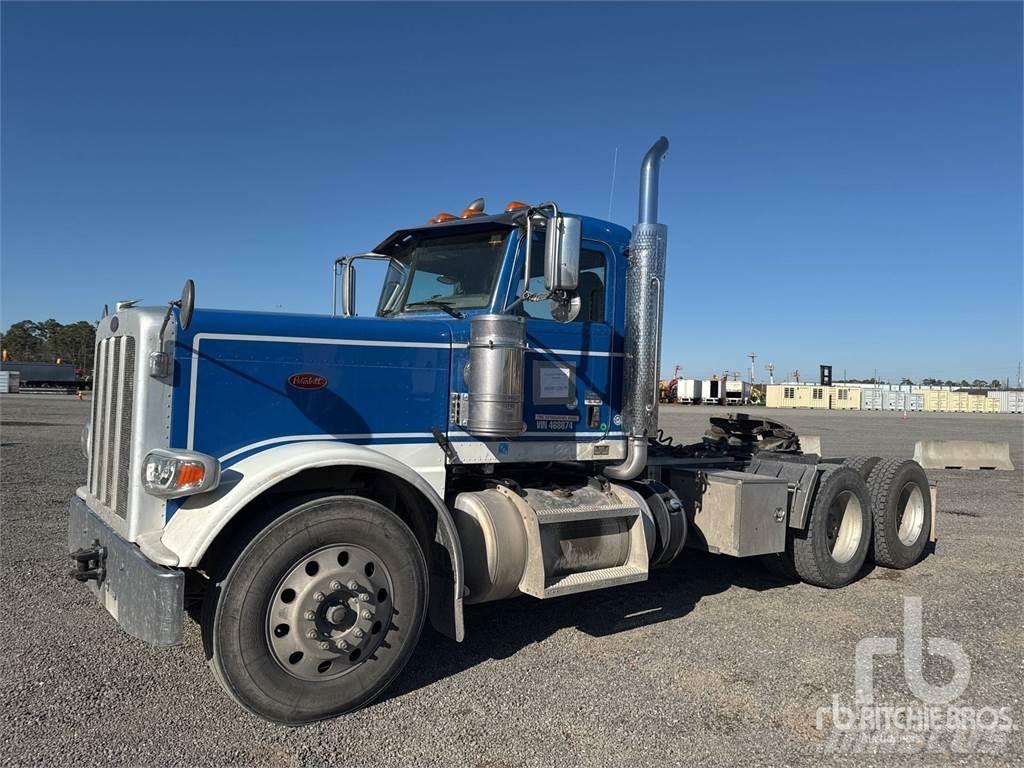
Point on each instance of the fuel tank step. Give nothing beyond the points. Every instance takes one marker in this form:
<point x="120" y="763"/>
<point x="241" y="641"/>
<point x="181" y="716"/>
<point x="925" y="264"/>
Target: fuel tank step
<point x="569" y="514"/>
<point x="590" y="536"/>
<point x="587" y="580"/>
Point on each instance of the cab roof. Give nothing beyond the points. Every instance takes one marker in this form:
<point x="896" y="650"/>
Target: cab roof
<point x="592" y="228"/>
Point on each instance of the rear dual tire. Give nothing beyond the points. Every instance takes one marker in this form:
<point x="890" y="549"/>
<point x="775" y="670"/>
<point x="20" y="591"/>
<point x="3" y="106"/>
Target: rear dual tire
<point x="901" y="507"/>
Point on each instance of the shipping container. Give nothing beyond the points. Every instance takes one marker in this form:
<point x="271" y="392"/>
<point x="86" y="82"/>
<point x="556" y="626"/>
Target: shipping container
<point x="952" y="402"/>
<point x="1008" y="401"/>
<point x="872" y="399"/>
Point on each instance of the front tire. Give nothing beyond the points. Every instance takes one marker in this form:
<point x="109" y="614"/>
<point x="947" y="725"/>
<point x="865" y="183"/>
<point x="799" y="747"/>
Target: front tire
<point x="832" y="551"/>
<point x="320" y="612"/>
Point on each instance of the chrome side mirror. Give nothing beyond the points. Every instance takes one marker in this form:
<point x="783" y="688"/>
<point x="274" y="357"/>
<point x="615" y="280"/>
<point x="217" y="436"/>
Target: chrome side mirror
<point x="348" y="289"/>
<point x="562" y="253"/>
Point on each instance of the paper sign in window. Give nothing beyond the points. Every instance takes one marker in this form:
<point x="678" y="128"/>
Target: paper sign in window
<point x="554" y="383"/>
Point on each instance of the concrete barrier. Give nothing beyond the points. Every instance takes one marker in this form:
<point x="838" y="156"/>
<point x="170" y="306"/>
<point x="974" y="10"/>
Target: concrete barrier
<point x="810" y="444"/>
<point x="962" y="454"/>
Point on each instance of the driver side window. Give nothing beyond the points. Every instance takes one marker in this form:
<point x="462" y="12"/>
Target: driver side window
<point x="591" y="287"/>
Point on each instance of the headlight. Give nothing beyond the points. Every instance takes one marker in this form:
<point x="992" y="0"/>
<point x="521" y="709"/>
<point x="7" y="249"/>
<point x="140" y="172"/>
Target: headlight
<point x="179" y="473"/>
<point x="87" y="440"/>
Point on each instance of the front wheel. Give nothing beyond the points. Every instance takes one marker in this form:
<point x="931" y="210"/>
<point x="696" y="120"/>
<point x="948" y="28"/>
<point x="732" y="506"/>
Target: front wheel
<point x="320" y="612"/>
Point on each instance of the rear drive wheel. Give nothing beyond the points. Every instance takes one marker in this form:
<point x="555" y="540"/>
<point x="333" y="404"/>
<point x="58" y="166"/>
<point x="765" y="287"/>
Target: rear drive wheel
<point x="320" y="612"/>
<point x="901" y="504"/>
<point x="863" y="464"/>
<point x="831" y="552"/>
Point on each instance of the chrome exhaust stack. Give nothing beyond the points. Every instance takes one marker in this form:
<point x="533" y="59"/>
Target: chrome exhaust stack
<point x="645" y="278"/>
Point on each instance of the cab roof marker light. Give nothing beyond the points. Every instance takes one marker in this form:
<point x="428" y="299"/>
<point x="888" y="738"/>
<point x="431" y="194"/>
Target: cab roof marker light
<point x="515" y="205"/>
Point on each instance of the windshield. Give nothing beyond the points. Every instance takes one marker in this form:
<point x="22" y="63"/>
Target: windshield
<point x="452" y="272"/>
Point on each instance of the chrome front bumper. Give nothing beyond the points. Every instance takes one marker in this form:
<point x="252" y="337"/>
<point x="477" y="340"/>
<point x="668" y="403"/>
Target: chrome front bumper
<point x="146" y="599"/>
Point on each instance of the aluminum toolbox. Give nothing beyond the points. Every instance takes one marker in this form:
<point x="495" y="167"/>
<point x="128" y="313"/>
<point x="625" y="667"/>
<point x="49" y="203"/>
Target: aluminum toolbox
<point x="732" y="513"/>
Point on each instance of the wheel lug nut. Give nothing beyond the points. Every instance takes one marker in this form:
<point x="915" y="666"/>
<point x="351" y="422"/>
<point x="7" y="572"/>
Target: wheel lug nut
<point x="358" y="632"/>
<point x="335" y="585"/>
<point x="309" y="615"/>
<point x="343" y="645"/>
<point x="324" y="645"/>
<point x="363" y="596"/>
<point x="319" y="597"/>
<point x="353" y="585"/>
<point x="365" y="614"/>
<point x="311" y="634"/>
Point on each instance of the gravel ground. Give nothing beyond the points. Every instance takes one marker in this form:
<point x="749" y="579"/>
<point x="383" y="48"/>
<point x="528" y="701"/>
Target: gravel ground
<point x="711" y="661"/>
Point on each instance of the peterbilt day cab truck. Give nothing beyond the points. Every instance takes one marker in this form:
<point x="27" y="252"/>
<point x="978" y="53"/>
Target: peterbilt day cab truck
<point x="314" y="488"/>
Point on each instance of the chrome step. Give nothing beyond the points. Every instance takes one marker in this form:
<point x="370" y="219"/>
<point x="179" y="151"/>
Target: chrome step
<point x="588" y="580"/>
<point x="569" y="514"/>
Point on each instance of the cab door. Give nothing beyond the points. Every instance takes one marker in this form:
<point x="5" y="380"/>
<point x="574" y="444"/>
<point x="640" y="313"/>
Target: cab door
<point x="569" y="365"/>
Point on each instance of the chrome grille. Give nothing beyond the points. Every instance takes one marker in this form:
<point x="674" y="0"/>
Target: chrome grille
<point x="113" y="401"/>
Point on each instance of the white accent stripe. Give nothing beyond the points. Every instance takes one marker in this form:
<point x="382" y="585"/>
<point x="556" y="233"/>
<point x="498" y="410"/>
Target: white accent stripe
<point x="316" y="340"/>
<point x="574" y="352"/>
<point x="563" y="352"/>
<point x="396" y="436"/>
<point x="303" y="438"/>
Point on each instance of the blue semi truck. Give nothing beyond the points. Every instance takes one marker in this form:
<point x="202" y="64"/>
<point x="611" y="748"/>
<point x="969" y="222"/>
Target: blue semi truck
<point x="313" y="489"/>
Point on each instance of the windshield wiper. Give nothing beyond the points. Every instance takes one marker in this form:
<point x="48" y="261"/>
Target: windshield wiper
<point x="439" y="304"/>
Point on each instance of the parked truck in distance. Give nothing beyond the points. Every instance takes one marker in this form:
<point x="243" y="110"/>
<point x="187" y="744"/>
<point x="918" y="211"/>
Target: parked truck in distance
<point x="314" y="488"/>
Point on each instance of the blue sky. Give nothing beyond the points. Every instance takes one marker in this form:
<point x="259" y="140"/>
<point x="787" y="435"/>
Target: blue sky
<point x="844" y="183"/>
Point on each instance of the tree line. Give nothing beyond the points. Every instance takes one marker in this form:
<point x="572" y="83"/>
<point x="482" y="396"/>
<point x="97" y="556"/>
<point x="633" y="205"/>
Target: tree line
<point x="50" y="342"/>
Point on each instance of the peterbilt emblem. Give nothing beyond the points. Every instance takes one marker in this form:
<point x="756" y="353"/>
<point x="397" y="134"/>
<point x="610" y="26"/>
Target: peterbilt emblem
<point x="307" y="381"/>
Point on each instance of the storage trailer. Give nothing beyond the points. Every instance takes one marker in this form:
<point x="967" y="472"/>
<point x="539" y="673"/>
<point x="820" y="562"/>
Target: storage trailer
<point x="315" y="488"/>
<point x="688" y="391"/>
<point x="58" y="377"/>
<point x="737" y="392"/>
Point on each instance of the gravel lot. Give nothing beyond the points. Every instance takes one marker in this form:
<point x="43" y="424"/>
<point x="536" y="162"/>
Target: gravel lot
<point x="712" y="660"/>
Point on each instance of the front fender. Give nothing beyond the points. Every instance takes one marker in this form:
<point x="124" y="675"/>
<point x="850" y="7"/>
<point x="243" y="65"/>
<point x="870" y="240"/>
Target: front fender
<point x="193" y="528"/>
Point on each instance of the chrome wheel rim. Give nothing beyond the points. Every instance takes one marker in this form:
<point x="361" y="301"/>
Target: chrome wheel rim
<point x="845" y="527"/>
<point x="330" y="612"/>
<point x="910" y="514"/>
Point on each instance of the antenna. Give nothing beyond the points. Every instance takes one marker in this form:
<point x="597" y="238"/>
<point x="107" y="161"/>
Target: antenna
<point x="771" y="372"/>
<point x="795" y="375"/>
<point x="753" y="359"/>
<point x="611" y="192"/>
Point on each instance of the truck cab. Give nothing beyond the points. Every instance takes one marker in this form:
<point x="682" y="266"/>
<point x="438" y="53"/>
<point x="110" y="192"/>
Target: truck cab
<point x="313" y="488"/>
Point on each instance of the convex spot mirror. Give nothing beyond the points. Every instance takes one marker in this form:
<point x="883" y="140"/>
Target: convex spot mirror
<point x="562" y="253"/>
<point x="187" y="304"/>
